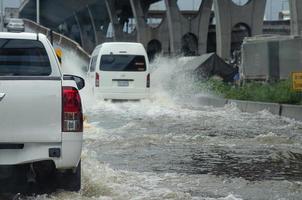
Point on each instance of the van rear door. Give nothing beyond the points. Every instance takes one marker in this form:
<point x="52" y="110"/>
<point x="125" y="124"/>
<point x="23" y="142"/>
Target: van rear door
<point x="30" y="97"/>
<point x="124" y="73"/>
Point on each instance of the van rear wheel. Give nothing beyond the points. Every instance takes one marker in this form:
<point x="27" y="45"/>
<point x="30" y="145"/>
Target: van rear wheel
<point x="70" y="180"/>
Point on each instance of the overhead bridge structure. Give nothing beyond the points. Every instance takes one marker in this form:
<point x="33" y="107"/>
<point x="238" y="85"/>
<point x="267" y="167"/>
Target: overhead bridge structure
<point x="91" y="22"/>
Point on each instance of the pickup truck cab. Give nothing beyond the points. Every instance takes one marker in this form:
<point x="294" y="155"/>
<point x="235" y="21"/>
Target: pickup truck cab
<point x="41" y="120"/>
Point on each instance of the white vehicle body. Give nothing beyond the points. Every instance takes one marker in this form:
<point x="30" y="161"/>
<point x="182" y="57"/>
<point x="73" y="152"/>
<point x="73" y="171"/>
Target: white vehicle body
<point x="31" y="107"/>
<point x="120" y="70"/>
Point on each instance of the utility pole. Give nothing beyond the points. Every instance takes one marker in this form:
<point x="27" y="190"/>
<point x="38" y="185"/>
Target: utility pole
<point x="38" y="11"/>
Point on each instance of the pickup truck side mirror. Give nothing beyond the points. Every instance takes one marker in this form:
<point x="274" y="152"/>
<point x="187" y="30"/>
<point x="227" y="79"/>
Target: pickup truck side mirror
<point x="79" y="81"/>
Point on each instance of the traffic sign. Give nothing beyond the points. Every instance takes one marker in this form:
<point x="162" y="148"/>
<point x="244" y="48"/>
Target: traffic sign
<point x="59" y="54"/>
<point x="297" y="81"/>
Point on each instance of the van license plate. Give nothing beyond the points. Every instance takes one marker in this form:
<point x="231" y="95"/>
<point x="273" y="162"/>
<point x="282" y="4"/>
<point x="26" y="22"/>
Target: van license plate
<point x="123" y="83"/>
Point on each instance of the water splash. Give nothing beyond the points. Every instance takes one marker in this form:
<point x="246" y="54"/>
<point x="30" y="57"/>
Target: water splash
<point x="170" y="79"/>
<point x="74" y="65"/>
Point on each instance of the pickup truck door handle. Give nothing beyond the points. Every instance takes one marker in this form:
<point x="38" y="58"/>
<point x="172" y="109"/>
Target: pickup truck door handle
<point x="2" y="95"/>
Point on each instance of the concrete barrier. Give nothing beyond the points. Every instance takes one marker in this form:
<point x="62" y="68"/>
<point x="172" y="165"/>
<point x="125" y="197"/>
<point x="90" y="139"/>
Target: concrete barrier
<point x="273" y="108"/>
<point x="212" y="101"/>
<point x="253" y="106"/>
<point x="241" y="105"/>
<point x="284" y="110"/>
<point x="58" y="39"/>
<point x="292" y="111"/>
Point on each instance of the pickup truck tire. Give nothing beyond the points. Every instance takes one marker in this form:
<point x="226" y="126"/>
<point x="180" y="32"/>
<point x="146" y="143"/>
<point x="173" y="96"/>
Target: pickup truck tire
<point x="70" y="180"/>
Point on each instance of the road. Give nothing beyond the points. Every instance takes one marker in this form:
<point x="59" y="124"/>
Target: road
<point x="170" y="148"/>
<point x="156" y="150"/>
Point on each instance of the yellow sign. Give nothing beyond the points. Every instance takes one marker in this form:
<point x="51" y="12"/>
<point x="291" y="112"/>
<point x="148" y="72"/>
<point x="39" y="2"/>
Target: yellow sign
<point x="59" y="54"/>
<point x="297" y="81"/>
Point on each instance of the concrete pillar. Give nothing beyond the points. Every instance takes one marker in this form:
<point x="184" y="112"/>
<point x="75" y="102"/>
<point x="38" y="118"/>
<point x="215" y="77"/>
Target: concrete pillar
<point x="174" y="25"/>
<point x="296" y="16"/>
<point x="117" y="27"/>
<point x="96" y="42"/>
<point x="142" y="28"/>
<point x="228" y="14"/>
<point x="203" y="21"/>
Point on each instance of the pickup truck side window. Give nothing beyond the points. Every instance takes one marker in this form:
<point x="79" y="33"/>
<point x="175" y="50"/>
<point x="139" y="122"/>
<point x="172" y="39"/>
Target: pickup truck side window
<point x="20" y="57"/>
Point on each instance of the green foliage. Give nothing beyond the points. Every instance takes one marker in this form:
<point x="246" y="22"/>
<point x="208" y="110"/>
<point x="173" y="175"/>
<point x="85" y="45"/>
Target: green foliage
<point x="279" y="92"/>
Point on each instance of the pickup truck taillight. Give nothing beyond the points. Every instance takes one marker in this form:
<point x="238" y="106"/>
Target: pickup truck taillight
<point x="72" y="115"/>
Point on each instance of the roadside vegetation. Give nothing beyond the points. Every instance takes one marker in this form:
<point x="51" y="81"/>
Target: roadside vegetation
<point x="279" y="92"/>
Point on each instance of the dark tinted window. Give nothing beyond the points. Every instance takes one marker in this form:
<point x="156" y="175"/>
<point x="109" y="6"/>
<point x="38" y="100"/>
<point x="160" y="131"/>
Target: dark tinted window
<point x="23" y="58"/>
<point x="123" y="63"/>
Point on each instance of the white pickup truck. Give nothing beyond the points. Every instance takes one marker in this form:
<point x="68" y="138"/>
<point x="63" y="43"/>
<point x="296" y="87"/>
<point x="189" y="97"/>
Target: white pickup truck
<point x="41" y="119"/>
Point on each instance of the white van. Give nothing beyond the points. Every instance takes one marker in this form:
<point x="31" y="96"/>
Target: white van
<point x="120" y="70"/>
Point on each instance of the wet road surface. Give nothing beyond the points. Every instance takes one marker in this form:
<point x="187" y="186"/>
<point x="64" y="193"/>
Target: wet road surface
<point x="169" y="148"/>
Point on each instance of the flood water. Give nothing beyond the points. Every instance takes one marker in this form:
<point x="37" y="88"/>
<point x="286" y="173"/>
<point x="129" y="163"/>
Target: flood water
<point x="170" y="148"/>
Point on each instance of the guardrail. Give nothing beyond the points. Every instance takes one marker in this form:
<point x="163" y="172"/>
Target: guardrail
<point x="284" y="110"/>
<point x="58" y="39"/>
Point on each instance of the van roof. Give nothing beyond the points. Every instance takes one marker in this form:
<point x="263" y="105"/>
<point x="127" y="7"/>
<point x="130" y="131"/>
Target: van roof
<point x="121" y="48"/>
<point x="120" y="43"/>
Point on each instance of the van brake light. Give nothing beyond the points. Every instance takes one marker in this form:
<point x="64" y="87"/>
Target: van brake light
<point x="148" y="81"/>
<point x="97" y="80"/>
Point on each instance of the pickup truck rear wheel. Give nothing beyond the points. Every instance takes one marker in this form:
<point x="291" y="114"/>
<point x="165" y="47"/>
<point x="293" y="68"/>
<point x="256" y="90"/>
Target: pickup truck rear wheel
<point x="70" y="180"/>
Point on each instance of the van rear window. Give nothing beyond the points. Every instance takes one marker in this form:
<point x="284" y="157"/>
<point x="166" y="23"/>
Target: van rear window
<point x="130" y="63"/>
<point x="20" y="57"/>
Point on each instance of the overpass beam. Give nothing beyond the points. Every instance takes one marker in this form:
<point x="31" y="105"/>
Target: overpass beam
<point x="296" y="17"/>
<point x="80" y="28"/>
<point x="228" y="15"/>
<point x="96" y="42"/>
<point x="142" y="28"/>
<point x="86" y="40"/>
<point x="174" y="26"/>
<point x="117" y="27"/>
